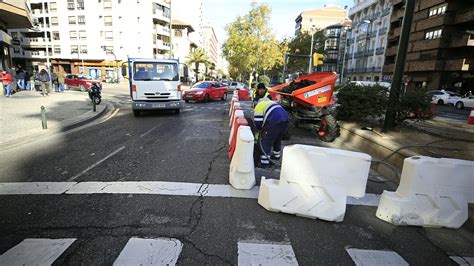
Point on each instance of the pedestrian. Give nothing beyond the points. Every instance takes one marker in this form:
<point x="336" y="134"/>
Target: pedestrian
<point x="44" y="78"/>
<point x="259" y="93"/>
<point x="32" y="81"/>
<point x="12" y="73"/>
<point x="54" y="81"/>
<point x="61" y="77"/>
<point x="27" y="81"/>
<point x="272" y="121"/>
<point x="7" y="83"/>
<point x="20" y="77"/>
<point x="1" y="83"/>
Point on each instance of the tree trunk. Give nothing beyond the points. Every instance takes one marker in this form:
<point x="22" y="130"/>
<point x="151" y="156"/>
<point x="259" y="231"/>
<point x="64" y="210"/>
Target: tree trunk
<point x="196" y="70"/>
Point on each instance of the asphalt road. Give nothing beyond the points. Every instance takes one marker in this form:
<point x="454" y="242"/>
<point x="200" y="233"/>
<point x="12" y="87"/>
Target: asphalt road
<point x="187" y="148"/>
<point x="448" y="111"/>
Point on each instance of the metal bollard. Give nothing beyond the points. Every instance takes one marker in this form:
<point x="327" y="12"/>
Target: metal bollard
<point x="44" y="123"/>
<point x="93" y="103"/>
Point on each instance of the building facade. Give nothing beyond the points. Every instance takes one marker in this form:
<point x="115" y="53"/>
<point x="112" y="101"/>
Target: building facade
<point x="210" y="44"/>
<point x="90" y="37"/>
<point x="319" y="18"/>
<point x="367" y="40"/>
<point x="334" y="47"/>
<point x="13" y="14"/>
<point x="441" y="46"/>
<point x="190" y="12"/>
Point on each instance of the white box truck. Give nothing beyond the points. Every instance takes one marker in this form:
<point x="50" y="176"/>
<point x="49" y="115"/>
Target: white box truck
<point x="155" y="84"/>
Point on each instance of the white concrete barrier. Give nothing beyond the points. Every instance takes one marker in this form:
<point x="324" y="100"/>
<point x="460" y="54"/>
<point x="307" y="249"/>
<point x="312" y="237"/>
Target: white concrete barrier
<point x="433" y="192"/>
<point x="237" y="114"/>
<point x="242" y="170"/>
<point x="234" y="106"/>
<point x="315" y="182"/>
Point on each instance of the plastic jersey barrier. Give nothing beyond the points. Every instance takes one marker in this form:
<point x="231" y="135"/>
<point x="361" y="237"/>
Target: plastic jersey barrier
<point x="315" y="182"/>
<point x="240" y="121"/>
<point x="242" y="171"/>
<point x="433" y="192"/>
<point x="234" y="106"/>
<point x="235" y="116"/>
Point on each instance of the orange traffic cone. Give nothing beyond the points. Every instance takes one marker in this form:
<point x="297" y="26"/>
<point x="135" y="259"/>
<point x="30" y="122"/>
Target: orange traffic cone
<point x="470" y="120"/>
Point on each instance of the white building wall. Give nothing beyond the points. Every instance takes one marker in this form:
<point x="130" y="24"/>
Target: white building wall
<point x="190" y="12"/>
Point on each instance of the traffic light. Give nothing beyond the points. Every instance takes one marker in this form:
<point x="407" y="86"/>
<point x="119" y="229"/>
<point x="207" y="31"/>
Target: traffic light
<point x="318" y="59"/>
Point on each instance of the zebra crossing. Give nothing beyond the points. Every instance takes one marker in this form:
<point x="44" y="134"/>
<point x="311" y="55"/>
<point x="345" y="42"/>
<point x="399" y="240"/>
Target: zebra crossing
<point x="166" y="251"/>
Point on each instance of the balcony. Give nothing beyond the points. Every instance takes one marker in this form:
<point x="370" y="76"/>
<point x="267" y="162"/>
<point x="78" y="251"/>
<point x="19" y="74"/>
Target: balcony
<point x="386" y="11"/>
<point x="161" y="45"/>
<point x="464" y="16"/>
<point x="388" y="68"/>
<point x="396" y="15"/>
<point x="382" y="31"/>
<point x="459" y="65"/>
<point x="379" y="50"/>
<point x="421" y="66"/>
<point x="361" y="7"/>
<point x="391" y="51"/>
<point x="162" y="30"/>
<point x="15" y="13"/>
<point x="464" y="40"/>
<point x="160" y="17"/>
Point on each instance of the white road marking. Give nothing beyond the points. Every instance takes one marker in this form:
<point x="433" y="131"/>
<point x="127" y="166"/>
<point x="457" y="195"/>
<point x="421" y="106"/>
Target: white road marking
<point x="375" y="257"/>
<point x="110" y="116"/>
<point x="146" y="187"/>
<point x="36" y="251"/>
<point x="97" y="163"/>
<point x="148" y="132"/>
<point x="463" y="260"/>
<point x="265" y="254"/>
<point x="159" y="251"/>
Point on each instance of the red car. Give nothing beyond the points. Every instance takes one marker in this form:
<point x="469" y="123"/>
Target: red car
<point x="77" y="82"/>
<point x="205" y="91"/>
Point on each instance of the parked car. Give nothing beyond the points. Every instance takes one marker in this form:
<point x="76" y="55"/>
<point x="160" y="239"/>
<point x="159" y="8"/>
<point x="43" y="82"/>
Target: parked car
<point x="234" y="85"/>
<point x="443" y="97"/>
<point x="205" y="91"/>
<point x="78" y="82"/>
<point x="465" y="102"/>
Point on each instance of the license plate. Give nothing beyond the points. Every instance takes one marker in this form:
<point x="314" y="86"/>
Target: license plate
<point x="158" y="105"/>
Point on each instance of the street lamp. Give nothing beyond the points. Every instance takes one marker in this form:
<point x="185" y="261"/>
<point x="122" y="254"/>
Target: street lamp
<point x="79" y="57"/>
<point x="310" y="66"/>
<point x="115" y="59"/>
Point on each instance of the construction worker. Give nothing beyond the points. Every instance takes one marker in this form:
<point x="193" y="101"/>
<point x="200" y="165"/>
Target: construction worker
<point x="259" y="93"/>
<point x="272" y="121"/>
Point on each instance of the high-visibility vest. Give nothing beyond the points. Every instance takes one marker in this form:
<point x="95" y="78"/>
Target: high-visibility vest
<point x="268" y="113"/>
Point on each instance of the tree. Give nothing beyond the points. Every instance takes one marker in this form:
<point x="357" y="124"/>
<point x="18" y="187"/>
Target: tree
<point x="251" y="46"/>
<point x="197" y="56"/>
<point x="302" y="42"/>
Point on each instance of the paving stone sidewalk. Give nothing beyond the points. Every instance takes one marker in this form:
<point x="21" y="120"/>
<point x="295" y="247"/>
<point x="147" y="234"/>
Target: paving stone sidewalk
<point x="21" y="114"/>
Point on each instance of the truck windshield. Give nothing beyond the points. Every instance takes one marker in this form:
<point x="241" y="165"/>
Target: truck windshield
<point x="155" y="71"/>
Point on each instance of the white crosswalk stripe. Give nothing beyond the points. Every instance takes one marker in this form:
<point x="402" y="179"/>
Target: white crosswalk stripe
<point x="463" y="260"/>
<point x="375" y="257"/>
<point x="37" y="251"/>
<point x="265" y="254"/>
<point x="159" y="251"/>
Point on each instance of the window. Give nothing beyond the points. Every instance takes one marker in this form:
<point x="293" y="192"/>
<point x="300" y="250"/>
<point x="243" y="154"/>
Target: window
<point x="107" y="4"/>
<point x="80" y="4"/>
<point x="72" y="20"/>
<point x="108" y="20"/>
<point x="53" y="6"/>
<point x="73" y="35"/>
<point x="109" y="36"/>
<point x="82" y="35"/>
<point x="178" y="33"/>
<point x="56" y="35"/>
<point x="109" y="48"/>
<point x="81" y="20"/>
<point x="138" y="19"/>
<point x="70" y="4"/>
<point x="54" y="21"/>
<point x="437" y="10"/>
<point x="74" y="49"/>
<point x="436" y="34"/>
<point x="57" y="49"/>
<point x="83" y="49"/>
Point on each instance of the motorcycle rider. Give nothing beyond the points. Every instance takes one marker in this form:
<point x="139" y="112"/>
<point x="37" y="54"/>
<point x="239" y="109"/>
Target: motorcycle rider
<point x="259" y="93"/>
<point x="272" y="120"/>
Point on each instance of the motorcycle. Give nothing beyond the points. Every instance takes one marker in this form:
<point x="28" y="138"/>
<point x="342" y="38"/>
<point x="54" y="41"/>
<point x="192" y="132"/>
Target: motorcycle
<point x="95" y="93"/>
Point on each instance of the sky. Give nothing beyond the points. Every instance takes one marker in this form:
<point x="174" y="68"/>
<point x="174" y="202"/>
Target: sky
<point x="218" y="13"/>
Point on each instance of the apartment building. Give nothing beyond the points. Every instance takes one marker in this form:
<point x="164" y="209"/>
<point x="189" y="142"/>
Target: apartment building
<point x="319" y="18"/>
<point x="441" y="47"/>
<point x="210" y="44"/>
<point x="367" y="40"/>
<point x="93" y="36"/>
<point x="182" y="41"/>
<point x="334" y="46"/>
<point x="13" y="14"/>
<point x="190" y="12"/>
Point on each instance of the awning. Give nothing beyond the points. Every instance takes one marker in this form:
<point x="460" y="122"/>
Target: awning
<point x="5" y="38"/>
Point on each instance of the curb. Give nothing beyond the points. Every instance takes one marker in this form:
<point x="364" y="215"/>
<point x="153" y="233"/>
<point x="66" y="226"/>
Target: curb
<point x="69" y="124"/>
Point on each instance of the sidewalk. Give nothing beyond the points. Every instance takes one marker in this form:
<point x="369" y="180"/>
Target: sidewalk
<point x="21" y="114"/>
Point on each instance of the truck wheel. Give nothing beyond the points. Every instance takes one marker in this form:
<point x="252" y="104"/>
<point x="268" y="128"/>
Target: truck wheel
<point x="136" y="113"/>
<point x="328" y="129"/>
<point x="177" y="111"/>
